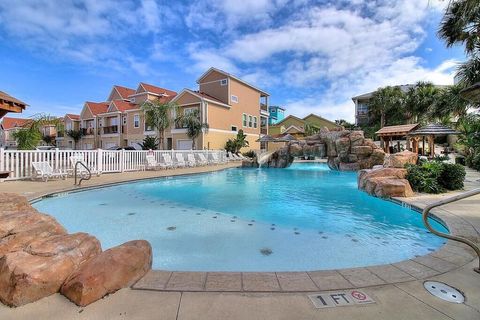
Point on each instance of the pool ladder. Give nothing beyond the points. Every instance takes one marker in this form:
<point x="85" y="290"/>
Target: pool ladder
<point x="80" y="163"/>
<point x="468" y="242"/>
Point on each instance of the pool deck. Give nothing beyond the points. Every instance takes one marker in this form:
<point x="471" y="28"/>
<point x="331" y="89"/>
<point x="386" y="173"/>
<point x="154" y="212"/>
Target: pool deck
<point x="397" y="288"/>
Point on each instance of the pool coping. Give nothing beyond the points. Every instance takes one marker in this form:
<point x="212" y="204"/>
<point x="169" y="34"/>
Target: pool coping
<point x="449" y="257"/>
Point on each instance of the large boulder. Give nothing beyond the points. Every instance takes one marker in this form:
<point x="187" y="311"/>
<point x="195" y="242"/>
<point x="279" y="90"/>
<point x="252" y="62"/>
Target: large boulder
<point x="28" y="221"/>
<point x="362" y="151"/>
<point x="42" y="267"/>
<point x="342" y="146"/>
<point x="357" y="138"/>
<point x="349" y="166"/>
<point x="367" y="174"/>
<point x="377" y="157"/>
<point x="400" y="159"/>
<point x="385" y="182"/>
<point x="113" y="269"/>
<point x="393" y="187"/>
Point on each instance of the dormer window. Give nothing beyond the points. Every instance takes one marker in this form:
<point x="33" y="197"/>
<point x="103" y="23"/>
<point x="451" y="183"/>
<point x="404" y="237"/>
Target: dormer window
<point x="223" y="82"/>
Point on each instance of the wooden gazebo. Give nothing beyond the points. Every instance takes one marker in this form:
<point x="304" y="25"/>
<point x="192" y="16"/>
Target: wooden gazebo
<point x="390" y="133"/>
<point x="429" y="132"/>
<point x="10" y="104"/>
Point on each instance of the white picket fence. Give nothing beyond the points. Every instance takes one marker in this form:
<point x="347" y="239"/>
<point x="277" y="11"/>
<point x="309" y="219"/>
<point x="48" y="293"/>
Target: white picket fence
<point x="19" y="162"/>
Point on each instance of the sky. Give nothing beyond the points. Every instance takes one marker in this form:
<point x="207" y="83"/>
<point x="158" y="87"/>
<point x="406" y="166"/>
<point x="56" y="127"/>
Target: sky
<point x="311" y="56"/>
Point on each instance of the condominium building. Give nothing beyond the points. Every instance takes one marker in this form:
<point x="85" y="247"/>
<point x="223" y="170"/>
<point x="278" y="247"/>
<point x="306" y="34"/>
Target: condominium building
<point x="227" y="104"/>
<point x="277" y="114"/>
<point x="7" y="127"/>
<point x="70" y="122"/>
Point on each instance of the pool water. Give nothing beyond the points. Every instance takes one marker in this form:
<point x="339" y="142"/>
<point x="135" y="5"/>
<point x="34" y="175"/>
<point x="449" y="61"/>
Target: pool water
<point x="306" y="217"/>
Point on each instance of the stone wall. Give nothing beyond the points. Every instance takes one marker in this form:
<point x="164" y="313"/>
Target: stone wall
<point x="38" y="258"/>
<point x="345" y="150"/>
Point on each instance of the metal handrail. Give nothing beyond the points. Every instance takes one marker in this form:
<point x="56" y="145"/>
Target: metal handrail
<point x="81" y="178"/>
<point x="461" y="196"/>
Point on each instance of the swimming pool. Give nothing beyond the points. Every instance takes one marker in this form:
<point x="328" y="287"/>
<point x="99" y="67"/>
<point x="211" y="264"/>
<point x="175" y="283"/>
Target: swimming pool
<point x="306" y="217"/>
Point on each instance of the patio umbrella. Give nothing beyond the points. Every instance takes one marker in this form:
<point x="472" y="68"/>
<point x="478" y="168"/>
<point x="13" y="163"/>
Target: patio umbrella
<point x="267" y="138"/>
<point x="431" y="131"/>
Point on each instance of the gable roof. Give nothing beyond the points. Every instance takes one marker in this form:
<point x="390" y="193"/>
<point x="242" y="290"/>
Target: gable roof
<point x="97" y="107"/>
<point x="124" y="92"/>
<point x="212" y="69"/>
<point x="8" y="98"/>
<point x="10" y="123"/>
<point x="202" y="96"/>
<point x="320" y="118"/>
<point x="156" y="90"/>
<point x="287" y="118"/>
<point x="74" y="117"/>
<point x="400" y="129"/>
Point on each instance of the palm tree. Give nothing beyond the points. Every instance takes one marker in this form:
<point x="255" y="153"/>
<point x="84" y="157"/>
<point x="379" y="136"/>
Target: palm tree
<point x="194" y="125"/>
<point x="311" y="129"/>
<point x="76" y="135"/>
<point x="449" y="104"/>
<point x="461" y="25"/>
<point x="158" y="115"/>
<point x="30" y="134"/>
<point x="468" y="72"/>
<point x="419" y="100"/>
<point x="469" y="127"/>
<point x="385" y="101"/>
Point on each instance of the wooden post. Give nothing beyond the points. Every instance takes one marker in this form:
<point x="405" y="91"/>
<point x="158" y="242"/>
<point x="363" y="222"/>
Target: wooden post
<point x="407" y="144"/>
<point x="423" y="147"/>
<point x="432" y="146"/>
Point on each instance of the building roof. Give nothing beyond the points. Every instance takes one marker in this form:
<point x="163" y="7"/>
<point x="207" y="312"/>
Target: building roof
<point x="10" y="123"/>
<point x="124" y="92"/>
<point x="233" y="77"/>
<point x="123" y="106"/>
<point x="10" y="104"/>
<point x="157" y="90"/>
<point x="277" y="107"/>
<point x="97" y="107"/>
<point x="74" y="117"/>
<point x="202" y="96"/>
<point x="435" y="129"/>
<point x="471" y="93"/>
<point x="8" y="98"/>
<point x="399" y="130"/>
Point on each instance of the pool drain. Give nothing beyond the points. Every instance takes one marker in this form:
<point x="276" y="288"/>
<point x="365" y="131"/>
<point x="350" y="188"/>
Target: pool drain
<point x="444" y="291"/>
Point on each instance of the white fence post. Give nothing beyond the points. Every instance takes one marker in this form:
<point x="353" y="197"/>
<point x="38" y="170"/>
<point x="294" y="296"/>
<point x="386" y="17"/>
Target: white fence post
<point x="57" y="159"/>
<point x="2" y="159"/>
<point x="100" y="160"/>
<point x="122" y="160"/>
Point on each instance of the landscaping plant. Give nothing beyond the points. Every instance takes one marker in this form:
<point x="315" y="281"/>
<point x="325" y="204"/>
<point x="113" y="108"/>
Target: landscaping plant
<point x="435" y="176"/>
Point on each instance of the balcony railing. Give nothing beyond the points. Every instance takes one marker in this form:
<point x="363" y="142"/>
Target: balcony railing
<point x="87" y="131"/>
<point x="263" y="131"/>
<point x="263" y="107"/>
<point x="110" y="130"/>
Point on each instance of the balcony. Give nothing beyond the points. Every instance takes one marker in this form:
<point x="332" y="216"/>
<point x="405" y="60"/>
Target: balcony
<point x="88" y="131"/>
<point x="110" y="130"/>
<point x="263" y="130"/>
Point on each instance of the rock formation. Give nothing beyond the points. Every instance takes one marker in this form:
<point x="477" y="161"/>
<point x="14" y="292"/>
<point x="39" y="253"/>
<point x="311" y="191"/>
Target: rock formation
<point x="37" y="256"/>
<point x="345" y="150"/>
<point x="388" y="180"/>
<point x="108" y="272"/>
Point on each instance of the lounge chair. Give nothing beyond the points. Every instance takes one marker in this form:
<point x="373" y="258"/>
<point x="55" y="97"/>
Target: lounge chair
<point x="191" y="162"/>
<point x="152" y="163"/>
<point x="214" y="158"/>
<point x="45" y="171"/>
<point x="233" y="157"/>
<point x="180" y="160"/>
<point x="202" y="160"/>
<point x="167" y="158"/>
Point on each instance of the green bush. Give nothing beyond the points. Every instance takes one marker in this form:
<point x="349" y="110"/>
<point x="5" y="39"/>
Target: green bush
<point x="435" y="177"/>
<point x="440" y="158"/>
<point x="250" y="154"/>
<point x="473" y="160"/>
<point x="452" y="176"/>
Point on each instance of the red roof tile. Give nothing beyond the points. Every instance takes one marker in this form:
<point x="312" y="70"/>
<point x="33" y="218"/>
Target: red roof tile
<point x="97" y="107"/>
<point x="73" y="116"/>
<point x="157" y="90"/>
<point x="123" y="106"/>
<point x="10" y="123"/>
<point x="124" y="91"/>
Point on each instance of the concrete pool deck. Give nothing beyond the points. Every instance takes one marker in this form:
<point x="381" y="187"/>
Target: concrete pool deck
<point x="397" y="288"/>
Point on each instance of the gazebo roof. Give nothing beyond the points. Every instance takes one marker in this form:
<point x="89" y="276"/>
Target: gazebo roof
<point x="435" y="129"/>
<point x="471" y="93"/>
<point x="266" y="138"/>
<point x="286" y="138"/>
<point x="10" y="104"/>
<point x="400" y="130"/>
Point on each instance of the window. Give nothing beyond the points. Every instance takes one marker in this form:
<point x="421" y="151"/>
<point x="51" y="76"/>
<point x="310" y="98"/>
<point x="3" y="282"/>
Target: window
<point x="69" y="126"/>
<point x="362" y="108"/>
<point x="234" y="99"/>
<point x="188" y="111"/>
<point x="234" y="128"/>
<point x="136" y="121"/>
<point x="100" y="122"/>
<point x="244" y="120"/>
<point x="223" y="82"/>
<point x="255" y="122"/>
<point x="113" y="122"/>
<point x="250" y="124"/>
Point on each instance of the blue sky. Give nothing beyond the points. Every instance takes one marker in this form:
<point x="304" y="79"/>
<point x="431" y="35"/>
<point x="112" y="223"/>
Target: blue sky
<point x="311" y="56"/>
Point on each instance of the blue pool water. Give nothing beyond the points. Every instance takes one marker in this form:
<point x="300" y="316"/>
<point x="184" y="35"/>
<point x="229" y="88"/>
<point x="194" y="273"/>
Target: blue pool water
<point x="306" y="217"/>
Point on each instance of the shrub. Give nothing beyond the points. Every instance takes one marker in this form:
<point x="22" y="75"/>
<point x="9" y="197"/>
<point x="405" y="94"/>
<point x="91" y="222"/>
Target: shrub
<point x="435" y="177"/>
<point x="425" y="177"/>
<point x="473" y="160"/>
<point x="250" y="154"/>
<point x="452" y="176"/>
<point x="439" y="158"/>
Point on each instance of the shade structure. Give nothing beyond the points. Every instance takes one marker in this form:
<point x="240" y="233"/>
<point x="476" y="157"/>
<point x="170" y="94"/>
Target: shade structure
<point x="10" y="104"/>
<point x="286" y="138"/>
<point x="430" y="131"/>
<point x="435" y="129"/>
<point x="266" y="138"/>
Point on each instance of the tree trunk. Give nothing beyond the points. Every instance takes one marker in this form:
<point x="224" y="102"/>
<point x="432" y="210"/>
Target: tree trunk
<point x="382" y="120"/>
<point x="160" y="140"/>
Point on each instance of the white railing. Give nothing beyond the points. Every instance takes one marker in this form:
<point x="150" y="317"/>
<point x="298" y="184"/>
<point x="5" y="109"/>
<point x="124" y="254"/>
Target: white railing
<point x="19" y="162"/>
